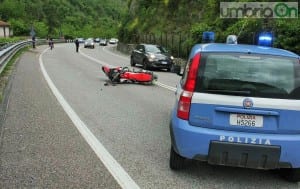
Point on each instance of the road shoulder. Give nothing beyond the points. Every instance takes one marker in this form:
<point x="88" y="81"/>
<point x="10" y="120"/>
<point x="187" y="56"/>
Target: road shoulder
<point x="40" y="147"/>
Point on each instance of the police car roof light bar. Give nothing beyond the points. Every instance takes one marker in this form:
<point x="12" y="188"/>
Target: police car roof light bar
<point x="265" y="39"/>
<point x="208" y="37"/>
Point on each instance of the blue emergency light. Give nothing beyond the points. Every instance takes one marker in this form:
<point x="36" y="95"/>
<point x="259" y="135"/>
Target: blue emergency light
<point x="265" y="39"/>
<point x="208" y="37"/>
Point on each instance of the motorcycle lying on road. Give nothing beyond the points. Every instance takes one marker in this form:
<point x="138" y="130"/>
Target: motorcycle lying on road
<point x="125" y="75"/>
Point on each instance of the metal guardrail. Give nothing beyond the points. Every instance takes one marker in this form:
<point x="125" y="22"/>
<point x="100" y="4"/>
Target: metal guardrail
<point x="9" y="51"/>
<point x="4" y="45"/>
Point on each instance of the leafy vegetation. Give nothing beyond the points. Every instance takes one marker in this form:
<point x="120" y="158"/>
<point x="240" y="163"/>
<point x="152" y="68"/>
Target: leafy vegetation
<point x="163" y="21"/>
<point x="11" y="40"/>
<point x="68" y="18"/>
<point x="190" y="18"/>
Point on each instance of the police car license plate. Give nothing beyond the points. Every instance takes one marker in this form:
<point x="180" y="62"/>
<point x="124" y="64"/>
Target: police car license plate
<point x="246" y="120"/>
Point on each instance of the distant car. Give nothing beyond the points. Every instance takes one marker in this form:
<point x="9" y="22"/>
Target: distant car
<point x="151" y="56"/>
<point x="113" y="41"/>
<point x="89" y="43"/>
<point x="81" y="40"/>
<point x="97" y="40"/>
<point x="103" y="42"/>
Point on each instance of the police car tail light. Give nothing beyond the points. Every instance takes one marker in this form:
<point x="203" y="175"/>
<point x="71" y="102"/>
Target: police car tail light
<point x="184" y="103"/>
<point x="192" y="71"/>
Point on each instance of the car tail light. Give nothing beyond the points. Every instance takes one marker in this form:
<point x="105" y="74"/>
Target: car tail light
<point x="183" y="110"/>
<point x="192" y="74"/>
<point x="184" y="102"/>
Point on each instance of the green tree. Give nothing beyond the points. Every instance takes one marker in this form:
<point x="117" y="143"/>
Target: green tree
<point x="20" y="27"/>
<point x="66" y="17"/>
<point x="11" y="9"/>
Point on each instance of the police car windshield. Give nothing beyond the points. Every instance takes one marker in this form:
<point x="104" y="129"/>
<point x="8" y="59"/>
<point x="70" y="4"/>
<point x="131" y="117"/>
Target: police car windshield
<point x="249" y="75"/>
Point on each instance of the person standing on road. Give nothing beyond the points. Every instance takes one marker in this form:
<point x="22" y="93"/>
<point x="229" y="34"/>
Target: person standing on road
<point x="77" y="45"/>
<point x="33" y="42"/>
<point x="51" y="43"/>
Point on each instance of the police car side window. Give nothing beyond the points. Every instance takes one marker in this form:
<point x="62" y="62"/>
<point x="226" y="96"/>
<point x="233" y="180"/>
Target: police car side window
<point x="295" y="93"/>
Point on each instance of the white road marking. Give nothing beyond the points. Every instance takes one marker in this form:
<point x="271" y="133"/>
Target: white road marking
<point x="114" y="54"/>
<point x="120" y="175"/>
<point x="94" y="59"/>
<point x="166" y="86"/>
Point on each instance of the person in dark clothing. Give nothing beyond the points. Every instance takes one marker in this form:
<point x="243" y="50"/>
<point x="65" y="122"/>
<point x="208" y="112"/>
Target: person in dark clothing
<point x="33" y="42"/>
<point x="51" y="43"/>
<point x="77" y="45"/>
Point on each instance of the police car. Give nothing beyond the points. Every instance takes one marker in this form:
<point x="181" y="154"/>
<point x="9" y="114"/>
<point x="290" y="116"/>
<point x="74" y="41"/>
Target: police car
<point x="238" y="105"/>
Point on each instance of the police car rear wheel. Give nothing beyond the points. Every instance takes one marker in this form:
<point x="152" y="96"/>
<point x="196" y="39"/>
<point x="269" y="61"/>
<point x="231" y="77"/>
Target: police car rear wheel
<point x="176" y="161"/>
<point x="292" y="175"/>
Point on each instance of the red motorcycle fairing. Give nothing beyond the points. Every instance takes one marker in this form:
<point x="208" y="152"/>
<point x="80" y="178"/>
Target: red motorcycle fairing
<point x="140" y="77"/>
<point x="117" y="74"/>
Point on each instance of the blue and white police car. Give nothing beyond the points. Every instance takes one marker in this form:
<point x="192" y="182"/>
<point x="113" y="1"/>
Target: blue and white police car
<point x="238" y="105"/>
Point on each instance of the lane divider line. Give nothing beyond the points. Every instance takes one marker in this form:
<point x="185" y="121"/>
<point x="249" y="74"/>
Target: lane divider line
<point x="165" y="86"/>
<point x="116" y="170"/>
<point x="115" y="54"/>
<point x="94" y="59"/>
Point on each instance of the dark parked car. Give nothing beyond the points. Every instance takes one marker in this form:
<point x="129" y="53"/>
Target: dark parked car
<point x="151" y="56"/>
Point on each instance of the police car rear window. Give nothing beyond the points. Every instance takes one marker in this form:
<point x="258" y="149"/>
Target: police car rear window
<point x="249" y="75"/>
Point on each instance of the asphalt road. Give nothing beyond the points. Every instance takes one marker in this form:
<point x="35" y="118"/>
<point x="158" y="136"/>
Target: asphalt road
<point x="78" y="133"/>
<point x="40" y="147"/>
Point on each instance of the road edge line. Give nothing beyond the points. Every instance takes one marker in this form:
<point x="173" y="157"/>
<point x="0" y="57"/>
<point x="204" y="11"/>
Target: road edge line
<point x="116" y="170"/>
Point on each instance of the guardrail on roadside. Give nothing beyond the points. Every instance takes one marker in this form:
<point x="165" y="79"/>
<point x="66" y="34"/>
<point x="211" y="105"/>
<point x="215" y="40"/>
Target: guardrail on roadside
<point x="4" y="45"/>
<point x="9" y="51"/>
